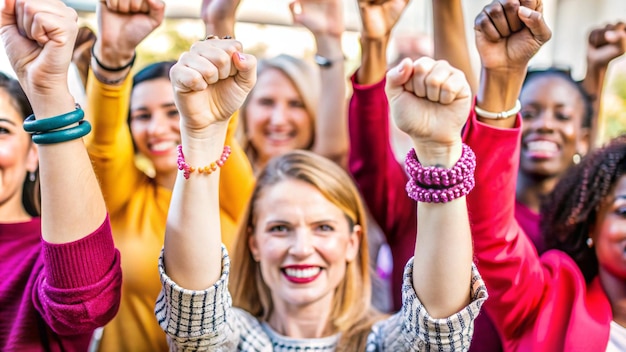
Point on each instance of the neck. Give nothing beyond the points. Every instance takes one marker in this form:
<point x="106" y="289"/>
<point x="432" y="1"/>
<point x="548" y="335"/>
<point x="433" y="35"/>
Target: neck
<point x="531" y="190"/>
<point x="615" y="288"/>
<point x="166" y="179"/>
<point x="302" y="322"/>
<point x="12" y="211"/>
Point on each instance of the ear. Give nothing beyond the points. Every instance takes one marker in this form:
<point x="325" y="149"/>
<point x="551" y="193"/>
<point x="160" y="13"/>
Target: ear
<point x="32" y="158"/>
<point x="253" y="245"/>
<point x="583" y="143"/>
<point x="354" y="243"/>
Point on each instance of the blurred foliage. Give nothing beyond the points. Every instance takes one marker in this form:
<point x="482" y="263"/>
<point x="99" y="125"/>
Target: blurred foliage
<point x="614" y="107"/>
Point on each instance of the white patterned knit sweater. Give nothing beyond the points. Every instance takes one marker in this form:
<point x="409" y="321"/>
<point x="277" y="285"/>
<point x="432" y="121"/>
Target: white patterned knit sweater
<point x="206" y="321"/>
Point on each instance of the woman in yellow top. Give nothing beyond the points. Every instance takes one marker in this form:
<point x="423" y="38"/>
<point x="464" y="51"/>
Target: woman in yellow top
<point x="139" y="203"/>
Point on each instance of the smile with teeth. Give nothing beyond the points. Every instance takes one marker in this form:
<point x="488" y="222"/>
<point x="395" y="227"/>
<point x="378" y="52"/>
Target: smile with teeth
<point x="302" y="275"/>
<point x="162" y="146"/>
<point x="542" y="147"/>
<point x="280" y="137"/>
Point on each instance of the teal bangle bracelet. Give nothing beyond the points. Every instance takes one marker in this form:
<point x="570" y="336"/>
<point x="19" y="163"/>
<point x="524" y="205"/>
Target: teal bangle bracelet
<point x="32" y="125"/>
<point x="60" y="136"/>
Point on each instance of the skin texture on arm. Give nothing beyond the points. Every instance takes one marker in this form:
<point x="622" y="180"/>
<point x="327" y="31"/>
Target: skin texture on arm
<point x="40" y="50"/>
<point x="219" y="17"/>
<point x="429" y="101"/>
<point x="450" y="39"/>
<point x="604" y="45"/>
<point x="324" y="19"/>
<point x="212" y="71"/>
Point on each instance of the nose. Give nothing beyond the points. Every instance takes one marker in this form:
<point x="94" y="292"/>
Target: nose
<point x="302" y="244"/>
<point x="158" y="124"/>
<point x="544" y="122"/>
<point x="279" y="114"/>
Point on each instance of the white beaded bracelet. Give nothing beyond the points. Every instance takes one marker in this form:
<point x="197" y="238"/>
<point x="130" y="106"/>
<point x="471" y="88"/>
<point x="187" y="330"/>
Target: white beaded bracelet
<point x="498" y="115"/>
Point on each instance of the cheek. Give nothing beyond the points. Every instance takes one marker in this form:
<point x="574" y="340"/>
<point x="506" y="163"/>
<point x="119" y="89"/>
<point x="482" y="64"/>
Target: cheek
<point x="332" y="248"/>
<point x="302" y="121"/>
<point x="272" y="248"/>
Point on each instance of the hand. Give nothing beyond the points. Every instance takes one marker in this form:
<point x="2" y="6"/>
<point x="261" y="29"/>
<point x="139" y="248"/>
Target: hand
<point x="509" y="33"/>
<point x="321" y="17"/>
<point x="211" y="81"/>
<point x="379" y="17"/>
<point x="122" y="25"/>
<point x="430" y="101"/>
<point x="39" y="37"/>
<point x="606" y="44"/>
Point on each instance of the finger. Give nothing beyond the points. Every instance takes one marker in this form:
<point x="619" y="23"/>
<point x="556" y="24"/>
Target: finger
<point x="495" y="11"/>
<point x="536" y="24"/>
<point x="397" y="77"/>
<point x="218" y="57"/>
<point x="532" y="4"/>
<point x="186" y="79"/>
<point x="510" y="8"/>
<point x="123" y="6"/>
<point x="435" y="80"/>
<point x="484" y="25"/>
<point x="8" y="13"/>
<point x="139" y="6"/>
<point x="455" y="87"/>
<point x="112" y="5"/>
<point x="246" y="70"/>
<point x="156" y="9"/>
<point x="59" y="28"/>
<point x="205" y="68"/>
<point x="421" y="69"/>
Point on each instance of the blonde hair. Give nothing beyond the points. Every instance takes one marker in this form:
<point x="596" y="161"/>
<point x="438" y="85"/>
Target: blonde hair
<point x="304" y="76"/>
<point x="351" y="314"/>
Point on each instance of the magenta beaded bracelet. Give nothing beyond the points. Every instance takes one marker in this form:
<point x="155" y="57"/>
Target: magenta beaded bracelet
<point x="438" y="185"/>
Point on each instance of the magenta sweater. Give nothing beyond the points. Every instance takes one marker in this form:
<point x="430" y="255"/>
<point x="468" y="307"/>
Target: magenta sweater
<point x="52" y="296"/>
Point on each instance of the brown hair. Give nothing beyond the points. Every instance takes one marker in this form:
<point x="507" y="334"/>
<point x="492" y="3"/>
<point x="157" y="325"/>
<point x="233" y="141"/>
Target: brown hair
<point x="31" y="197"/>
<point x="351" y="313"/>
<point x="303" y="75"/>
<point x="571" y="210"/>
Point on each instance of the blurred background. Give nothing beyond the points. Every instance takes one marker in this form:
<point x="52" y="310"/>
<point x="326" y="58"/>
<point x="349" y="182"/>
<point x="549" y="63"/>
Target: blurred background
<point x="265" y="28"/>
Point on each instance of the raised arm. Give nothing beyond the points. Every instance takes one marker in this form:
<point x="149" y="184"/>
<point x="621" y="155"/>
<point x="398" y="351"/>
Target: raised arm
<point x="450" y="38"/>
<point x="82" y="276"/>
<point x="430" y="101"/>
<point x="324" y="19"/>
<point x="122" y="25"/>
<point x="507" y="38"/>
<point x="211" y="81"/>
<point x="604" y="45"/>
<point x="219" y="17"/>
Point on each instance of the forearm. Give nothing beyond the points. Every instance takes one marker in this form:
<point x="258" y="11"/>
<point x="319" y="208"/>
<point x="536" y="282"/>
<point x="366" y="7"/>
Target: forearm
<point x="499" y="91"/>
<point x="373" y="60"/>
<point x="72" y="205"/>
<point x="450" y="41"/>
<point x="593" y="84"/>
<point x="192" y="251"/>
<point x="331" y="135"/>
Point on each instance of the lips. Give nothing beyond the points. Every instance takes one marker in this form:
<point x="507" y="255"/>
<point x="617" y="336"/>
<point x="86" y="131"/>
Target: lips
<point x="541" y="149"/>
<point x="301" y="274"/>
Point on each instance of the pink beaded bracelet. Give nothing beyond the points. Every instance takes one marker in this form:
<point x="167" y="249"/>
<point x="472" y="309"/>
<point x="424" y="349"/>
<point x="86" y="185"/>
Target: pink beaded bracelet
<point x="207" y="170"/>
<point x="438" y="185"/>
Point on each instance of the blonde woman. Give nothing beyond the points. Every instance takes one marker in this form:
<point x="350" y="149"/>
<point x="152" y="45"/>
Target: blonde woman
<point x="299" y="267"/>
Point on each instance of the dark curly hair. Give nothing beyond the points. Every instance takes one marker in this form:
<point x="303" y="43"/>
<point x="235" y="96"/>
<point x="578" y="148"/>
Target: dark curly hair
<point x="571" y="210"/>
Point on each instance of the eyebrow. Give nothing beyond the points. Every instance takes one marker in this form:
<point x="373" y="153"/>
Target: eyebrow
<point x="167" y="105"/>
<point x="7" y="120"/>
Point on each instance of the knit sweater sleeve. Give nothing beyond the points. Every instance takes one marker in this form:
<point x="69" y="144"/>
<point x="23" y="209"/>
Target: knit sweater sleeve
<point x="199" y="320"/>
<point x="110" y="144"/>
<point x="413" y="329"/>
<point x="79" y="289"/>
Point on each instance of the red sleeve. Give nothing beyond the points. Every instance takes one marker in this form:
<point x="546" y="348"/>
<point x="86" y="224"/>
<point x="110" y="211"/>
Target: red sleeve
<point x="505" y="256"/>
<point x="379" y="176"/>
<point x="79" y="289"/>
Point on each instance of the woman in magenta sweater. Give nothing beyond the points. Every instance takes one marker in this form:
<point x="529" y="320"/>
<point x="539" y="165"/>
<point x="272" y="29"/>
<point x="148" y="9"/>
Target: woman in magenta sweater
<point x="61" y="272"/>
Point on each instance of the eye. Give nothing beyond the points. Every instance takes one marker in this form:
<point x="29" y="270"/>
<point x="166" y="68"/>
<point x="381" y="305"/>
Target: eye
<point x="173" y="113"/>
<point x="563" y="117"/>
<point x="266" y="102"/>
<point x="4" y="130"/>
<point x="527" y="114"/>
<point x="621" y="211"/>
<point x="278" y="229"/>
<point x="141" y="117"/>
<point x="296" y="104"/>
<point x="325" y="228"/>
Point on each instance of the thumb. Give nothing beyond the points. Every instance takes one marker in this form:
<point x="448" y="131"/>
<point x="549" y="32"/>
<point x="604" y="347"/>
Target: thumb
<point x="536" y="24"/>
<point x="8" y="13"/>
<point x="397" y="77"/>
<point x="296" y="10"/>
<point x="156" y="9"/>
<point x="246" y="70"/>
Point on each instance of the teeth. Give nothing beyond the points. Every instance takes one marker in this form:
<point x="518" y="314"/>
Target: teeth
<point x="302" y="273"/>
<point x="542" y="146"/>
<point x="162" y="146"/>
<point x="279" y="137"/>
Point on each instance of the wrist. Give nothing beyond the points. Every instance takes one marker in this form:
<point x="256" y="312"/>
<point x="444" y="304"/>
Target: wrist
<point x="437" y="154"/>
<point x="109" y="55"/>
<point x="499" y="90"/>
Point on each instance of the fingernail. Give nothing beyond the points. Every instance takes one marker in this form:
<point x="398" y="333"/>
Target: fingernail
<point x="401" y="68"/>
<point x="241" y="57"/>
<point x="525" y="11"/>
